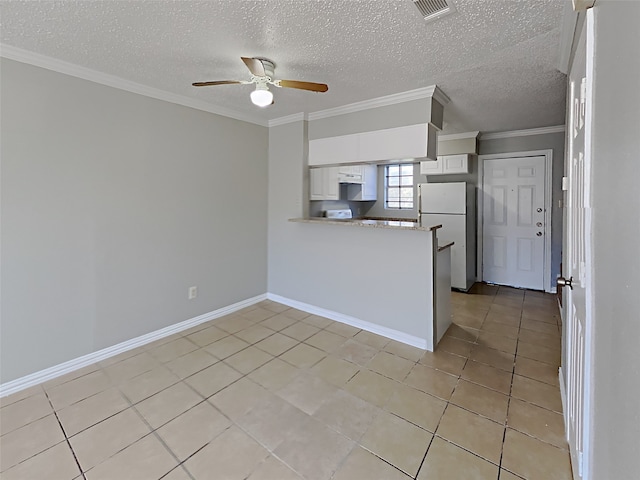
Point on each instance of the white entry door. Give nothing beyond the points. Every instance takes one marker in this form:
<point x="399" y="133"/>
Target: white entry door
<point x="513" y="232"/>
<point x="577" y="250"/>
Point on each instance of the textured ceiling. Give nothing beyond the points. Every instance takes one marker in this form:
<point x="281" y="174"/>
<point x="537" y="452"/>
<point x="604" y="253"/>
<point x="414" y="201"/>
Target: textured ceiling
<point x="495" y="59"/>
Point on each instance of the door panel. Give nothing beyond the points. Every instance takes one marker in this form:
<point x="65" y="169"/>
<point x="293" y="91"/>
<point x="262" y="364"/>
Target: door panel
<point x="526" y="250"/>
<point x="514" y="221"/>
<point x="577" y="248"/>
<point x="526" y="194"/>
<point x="498" y="206"/>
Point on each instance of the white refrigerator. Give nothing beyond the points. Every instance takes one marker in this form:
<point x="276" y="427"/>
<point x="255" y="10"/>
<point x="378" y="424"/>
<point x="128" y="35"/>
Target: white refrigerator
<point x="453" y="206"/>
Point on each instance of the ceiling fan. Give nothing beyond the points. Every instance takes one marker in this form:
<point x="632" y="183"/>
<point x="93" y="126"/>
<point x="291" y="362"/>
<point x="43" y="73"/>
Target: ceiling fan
<point x="262" y="76"/>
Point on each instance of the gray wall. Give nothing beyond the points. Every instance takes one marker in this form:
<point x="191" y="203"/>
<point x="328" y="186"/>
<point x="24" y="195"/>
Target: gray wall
<point x="288" y="175"/>
<point x="615" y="233"/>
<point x="113" y="204"/>
<point x="341" y="268"/>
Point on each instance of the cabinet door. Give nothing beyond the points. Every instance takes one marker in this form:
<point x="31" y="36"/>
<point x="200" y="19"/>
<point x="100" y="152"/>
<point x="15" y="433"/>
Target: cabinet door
<point x="332" y="150"/>
<point x="369" y="182"/>
<point x="331" y="185"/>
<point x="351" y="173"/>
<point x="350" y="169"/>
<point x="368" y="189"/>
<point x="316" y="183"/>
<point x="455" y="163"/>
<point x="323" y="183"/>
<point x="400" y="142"/>
<point x="431" y="167"/>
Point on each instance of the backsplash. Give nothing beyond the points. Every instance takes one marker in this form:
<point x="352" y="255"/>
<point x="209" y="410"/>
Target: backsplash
<point x="359" y="209"/>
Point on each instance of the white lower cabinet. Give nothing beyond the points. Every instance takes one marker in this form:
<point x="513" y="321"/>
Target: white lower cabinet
<point x="446" y="165"/>
<point x="323" y="183"/>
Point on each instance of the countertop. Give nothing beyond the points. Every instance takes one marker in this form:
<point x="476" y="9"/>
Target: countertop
<point x="356" y="222"/>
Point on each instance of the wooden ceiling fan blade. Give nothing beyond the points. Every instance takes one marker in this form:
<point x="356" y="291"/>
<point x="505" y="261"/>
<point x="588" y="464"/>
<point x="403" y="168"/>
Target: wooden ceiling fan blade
<point x="314" y="87"/>
<point x="255" y="66"/>
<point x="217" y="82"/>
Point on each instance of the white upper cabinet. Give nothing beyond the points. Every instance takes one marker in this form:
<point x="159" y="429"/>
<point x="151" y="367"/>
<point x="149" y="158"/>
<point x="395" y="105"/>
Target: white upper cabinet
<point x="401" y="143"/>
<point x="446" y="165"/>
<point x="455" y="163"/>
<point x="395" y="143"/>
<point x="431" y="168"/>
<point x="323" y="184"/>
<point x="368" y="189"/>
<point x="333" y="150"/>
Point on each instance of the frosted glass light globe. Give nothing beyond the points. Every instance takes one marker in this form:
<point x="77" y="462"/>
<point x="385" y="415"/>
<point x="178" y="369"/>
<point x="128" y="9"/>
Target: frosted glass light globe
<point x="261" y="97"/>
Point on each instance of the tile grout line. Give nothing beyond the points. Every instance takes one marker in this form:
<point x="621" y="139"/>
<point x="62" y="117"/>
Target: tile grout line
<point x="66" y="438"/>
<point x="243" y="375"/>
<point x="513" y="371"/>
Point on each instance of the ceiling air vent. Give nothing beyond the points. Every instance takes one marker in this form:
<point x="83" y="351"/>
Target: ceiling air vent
<point x="434" y="9"/>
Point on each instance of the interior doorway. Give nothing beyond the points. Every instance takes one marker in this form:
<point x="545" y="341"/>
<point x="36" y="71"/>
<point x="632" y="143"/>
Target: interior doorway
<point x="514" y="226"/>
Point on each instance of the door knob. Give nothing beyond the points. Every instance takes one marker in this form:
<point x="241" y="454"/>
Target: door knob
<point x="539" y="234"/>
<point x="563" y="282"/>
<point x="539" y="210"/>
<point x="539" y="224"/>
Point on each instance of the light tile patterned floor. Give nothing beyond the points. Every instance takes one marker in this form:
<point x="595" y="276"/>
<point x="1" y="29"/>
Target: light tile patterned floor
<point x="273" y="393"/>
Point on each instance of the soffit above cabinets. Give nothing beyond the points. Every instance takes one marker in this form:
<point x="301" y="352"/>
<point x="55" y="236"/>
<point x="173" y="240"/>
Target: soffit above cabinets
<point x="495" y="59"/>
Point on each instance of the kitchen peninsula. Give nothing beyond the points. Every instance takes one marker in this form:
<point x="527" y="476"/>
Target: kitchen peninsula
<point x="387" y="277"/>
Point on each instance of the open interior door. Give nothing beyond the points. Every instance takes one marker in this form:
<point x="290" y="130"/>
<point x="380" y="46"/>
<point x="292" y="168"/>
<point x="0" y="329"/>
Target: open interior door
<point x="576" y="265"/>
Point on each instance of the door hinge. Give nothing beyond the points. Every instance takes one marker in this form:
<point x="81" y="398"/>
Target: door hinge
<point x="565" y="184"/>
<point x="582" y="5"/>
<point x="580" y="460"/>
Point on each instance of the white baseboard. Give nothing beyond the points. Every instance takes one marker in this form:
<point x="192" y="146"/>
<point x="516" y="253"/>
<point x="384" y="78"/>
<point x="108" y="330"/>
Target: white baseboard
<point x="63" y="368"/>
<point x="563" y="397"/>
<point x="354" y="322"/>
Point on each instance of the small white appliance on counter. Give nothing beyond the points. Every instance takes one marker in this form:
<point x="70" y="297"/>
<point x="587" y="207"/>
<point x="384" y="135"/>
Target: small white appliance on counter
<point x="341" y="214"/>
<point x="452" y="205"/>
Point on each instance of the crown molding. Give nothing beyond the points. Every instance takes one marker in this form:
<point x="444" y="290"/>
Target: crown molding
<point x="296" y="117"/>
<point x="67" y="68"/>
<point x="458" y="136"/>
<point x="440" y="96"/>
<point x="418" y="93"/>
<point x="523" y="133"/>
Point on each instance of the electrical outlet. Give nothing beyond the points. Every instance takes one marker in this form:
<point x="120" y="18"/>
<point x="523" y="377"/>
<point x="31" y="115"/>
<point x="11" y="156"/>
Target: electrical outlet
<point x="193" y="292"/>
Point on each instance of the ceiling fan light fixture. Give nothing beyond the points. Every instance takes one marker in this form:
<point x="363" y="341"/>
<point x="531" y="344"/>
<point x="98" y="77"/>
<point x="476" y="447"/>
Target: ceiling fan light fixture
<point x="261" y="96"/>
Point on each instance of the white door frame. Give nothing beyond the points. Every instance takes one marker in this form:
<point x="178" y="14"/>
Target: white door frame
<point x="548" y="167"/>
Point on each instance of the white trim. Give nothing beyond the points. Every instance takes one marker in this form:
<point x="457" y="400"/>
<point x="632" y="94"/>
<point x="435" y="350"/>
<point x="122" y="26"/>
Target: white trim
<point x="563" y="397"/>
<point x="353" y="321"/>
<point x="418" y="93"/>
<point x="569" y="23"/>
<point x="523" y="133"/>
<point x="548" y="285"/>
<point x="296" y="117"/>
<point x="67" y="68"/>
<point x="63" y="368"/>
<point x="458" y="136"/>
<point x="589" y="327"/>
